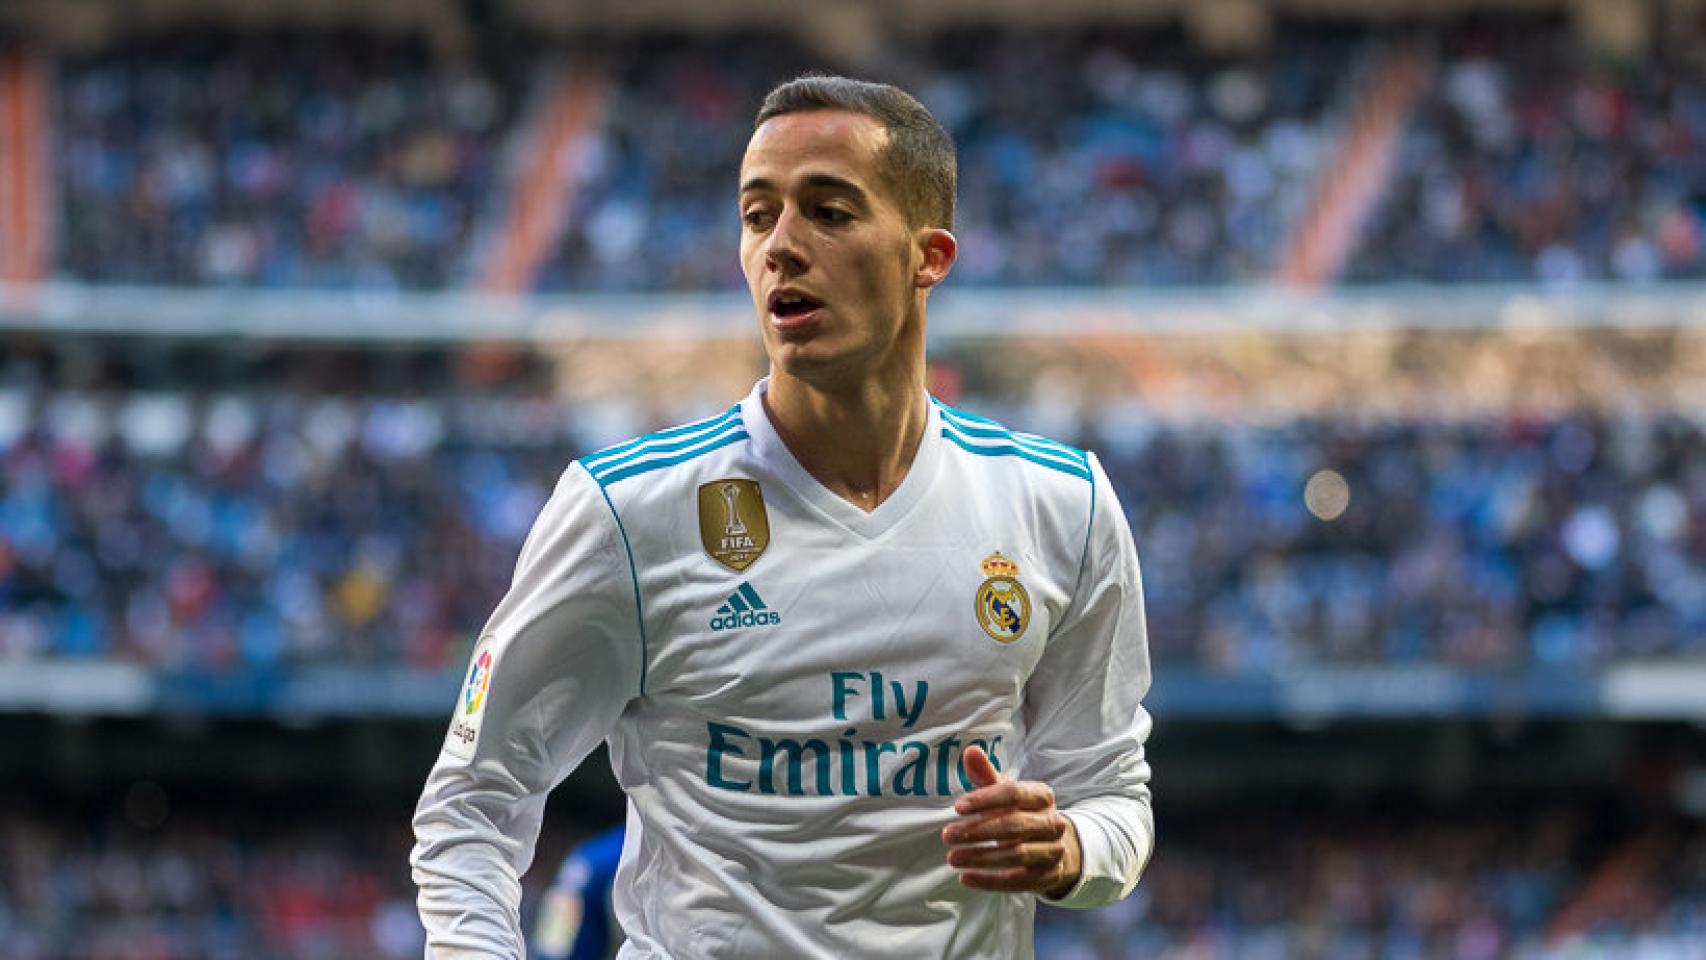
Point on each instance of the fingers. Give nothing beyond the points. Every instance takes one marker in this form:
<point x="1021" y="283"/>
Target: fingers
<point x="1011" y="827"/>
<point x="1023" y="794"/>
<point x="980" y="768"/>
<point x="1016" y="880"/>
<point x="1007" y="856"/>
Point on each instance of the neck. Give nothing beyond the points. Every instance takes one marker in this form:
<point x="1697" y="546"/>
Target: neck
<point x="860" y="440"/>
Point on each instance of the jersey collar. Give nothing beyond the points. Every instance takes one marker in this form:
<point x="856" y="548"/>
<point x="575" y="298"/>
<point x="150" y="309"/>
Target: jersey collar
<point x="774" y="454"/>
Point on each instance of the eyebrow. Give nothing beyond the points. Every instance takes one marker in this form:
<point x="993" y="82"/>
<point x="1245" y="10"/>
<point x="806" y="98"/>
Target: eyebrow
<point x="819" y="181"/>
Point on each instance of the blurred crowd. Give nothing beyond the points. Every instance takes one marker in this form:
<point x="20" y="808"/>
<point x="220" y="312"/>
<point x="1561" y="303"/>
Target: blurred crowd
<point x="226" y="887"/>
<point x="1109" y="156"/>
<point x="1114" y="158"/>
<point x="653" y="206"/>
<point x="234" y="530"/>
<point x="285" y="159"/>
<point x="1481" y="544"/>
<point x="1532" y="158"/>
<point x="219" y="529"/>
<point x="1332" y="884"/>
<point x="1368" y="884"/>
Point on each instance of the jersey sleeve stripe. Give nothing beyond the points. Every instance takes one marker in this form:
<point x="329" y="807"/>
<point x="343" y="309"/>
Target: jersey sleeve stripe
<point x="649" y="453"/>
<point x="647" y="466"/>
<point x="986" y="436"/>
<point x="1065" y="454"/>
<point x="1013" y="450"/>
<point x="1055" y="445"/>
<point x="977" y="426"/>
<point x="627" y="447"/>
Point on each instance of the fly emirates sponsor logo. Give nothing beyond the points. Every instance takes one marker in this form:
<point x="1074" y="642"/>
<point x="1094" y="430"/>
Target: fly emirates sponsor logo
<point x="744" y="761"/>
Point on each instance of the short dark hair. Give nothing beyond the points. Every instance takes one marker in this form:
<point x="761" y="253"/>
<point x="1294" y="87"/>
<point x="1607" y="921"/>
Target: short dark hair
<point x="918" y="161"/>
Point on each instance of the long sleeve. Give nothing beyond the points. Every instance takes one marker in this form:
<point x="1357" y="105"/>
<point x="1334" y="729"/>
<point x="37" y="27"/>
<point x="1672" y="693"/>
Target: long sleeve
<point x="557" y="662"/>
<point x="1084" y="710"/>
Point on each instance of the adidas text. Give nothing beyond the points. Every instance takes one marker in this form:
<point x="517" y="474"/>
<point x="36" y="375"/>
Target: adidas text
<point x="751" y="618"/>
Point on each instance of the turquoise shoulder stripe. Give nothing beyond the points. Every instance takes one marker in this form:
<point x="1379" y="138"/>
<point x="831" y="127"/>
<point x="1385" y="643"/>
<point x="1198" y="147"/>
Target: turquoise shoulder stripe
<point x="647" y="466"/>
<point x="698" y="426"/>
<point x="633" y="575"/>
<point x="974" y="425"/>
<point x="1014" y="450"/>
<point x="639" y="456"/>
<point x="1065" y="454"/>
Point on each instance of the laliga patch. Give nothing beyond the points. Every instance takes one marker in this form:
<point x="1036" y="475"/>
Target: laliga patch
<point x="1003" y="606"/>
<point x="733" y="524"/>
<point x="471" y="705"/>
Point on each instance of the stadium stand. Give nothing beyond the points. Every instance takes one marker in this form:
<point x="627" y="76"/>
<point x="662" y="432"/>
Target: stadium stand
<point x="206" y="886"/>
<point x="1533" y="158"/>
<point x="287" y="159"/>
<point x="1366" y="883"/>
<point x="264" y="531"/>
<point x="198" y="526"/>
<point x="1362" y="882"/>
<point x="1088" y="157"/>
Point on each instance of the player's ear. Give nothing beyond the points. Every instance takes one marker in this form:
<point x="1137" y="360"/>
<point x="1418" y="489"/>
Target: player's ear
<point x="940" y="250"/>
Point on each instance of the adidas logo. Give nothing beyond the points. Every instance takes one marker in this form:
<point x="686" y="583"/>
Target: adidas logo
<point x="744" y="608"/>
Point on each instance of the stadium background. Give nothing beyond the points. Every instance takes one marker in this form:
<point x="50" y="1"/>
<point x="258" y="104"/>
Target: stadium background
<point x="1387" y="319"/>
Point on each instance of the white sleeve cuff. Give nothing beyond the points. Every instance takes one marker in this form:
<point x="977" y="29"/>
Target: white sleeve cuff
<point x="1112" y="859"/>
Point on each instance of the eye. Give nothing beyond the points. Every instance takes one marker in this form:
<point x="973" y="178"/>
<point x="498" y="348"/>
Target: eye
<point x="755" y="218"/>
<point x="833" y="214"/>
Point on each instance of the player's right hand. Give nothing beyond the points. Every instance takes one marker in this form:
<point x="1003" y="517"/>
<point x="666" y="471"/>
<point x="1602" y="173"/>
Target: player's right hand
<point x="1009" y="837"/>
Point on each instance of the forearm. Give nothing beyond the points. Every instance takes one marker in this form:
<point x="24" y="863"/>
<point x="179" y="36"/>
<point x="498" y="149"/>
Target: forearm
<point x="465" y="866"/>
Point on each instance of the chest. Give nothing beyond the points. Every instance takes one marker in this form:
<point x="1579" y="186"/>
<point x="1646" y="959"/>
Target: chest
<point x="813" y="626"/>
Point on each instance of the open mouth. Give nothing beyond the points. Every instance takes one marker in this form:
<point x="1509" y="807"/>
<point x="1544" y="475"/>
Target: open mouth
<point x="792" y="305"/>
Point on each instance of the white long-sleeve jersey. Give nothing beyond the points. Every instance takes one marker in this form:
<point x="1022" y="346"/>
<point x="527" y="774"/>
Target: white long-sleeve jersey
<point x="787" y="684"/>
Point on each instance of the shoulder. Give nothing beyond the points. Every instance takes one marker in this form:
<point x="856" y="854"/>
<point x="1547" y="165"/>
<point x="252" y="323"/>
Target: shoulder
<point x="665" y="449"/>
<point x="979" y="436"/>
<point x="1050" y="485"/>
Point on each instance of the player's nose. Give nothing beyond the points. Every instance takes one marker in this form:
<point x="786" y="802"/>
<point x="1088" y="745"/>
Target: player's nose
<point x="785" y="249"/>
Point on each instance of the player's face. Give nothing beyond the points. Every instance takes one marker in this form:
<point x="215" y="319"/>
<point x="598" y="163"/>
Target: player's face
<point x="828" y="255"/>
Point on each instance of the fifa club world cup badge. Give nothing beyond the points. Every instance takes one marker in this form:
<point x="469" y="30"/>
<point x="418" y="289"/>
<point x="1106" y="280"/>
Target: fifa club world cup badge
<point x="733" y="525"/>
<point x="1003" y="606"/>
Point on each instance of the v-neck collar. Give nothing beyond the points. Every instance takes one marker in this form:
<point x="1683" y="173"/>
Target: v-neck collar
<point x="773" y="453"/>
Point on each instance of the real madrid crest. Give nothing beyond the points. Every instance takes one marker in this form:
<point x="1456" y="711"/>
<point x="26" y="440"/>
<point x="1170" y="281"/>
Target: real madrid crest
<point x="1003" y="606"/>
<point x="733" y="524"/>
